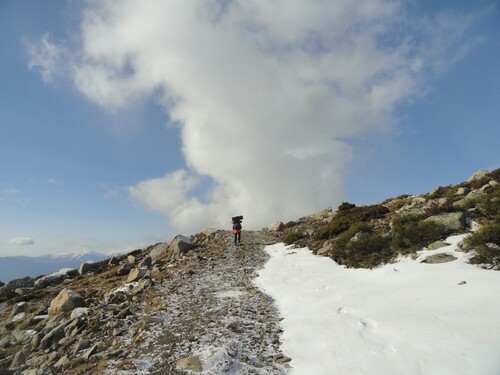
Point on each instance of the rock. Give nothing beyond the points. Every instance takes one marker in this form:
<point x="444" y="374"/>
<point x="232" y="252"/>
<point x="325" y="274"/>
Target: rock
<point x="131" y="259"/>
<point x="82" y="344"/>
<point x="485" y="187"/>
<point x="87" y="267"/>
<point x="47" y="280"/>
<point x="179" y="245"/>
<point x="20" y="307"/>
<point x="66" y="300"/>
<point x="79" y="311"/>
<point x="158" y="251"/>
<point x="323" y="214"/>
<point x="7" y="341"/>
<point x="493" y="183"/>
<point x="50" y="338"/>
<point x="462" y="283"/>
<point x="277" y="226"/>
<point x="97" y="348"/>
<point x="462" y="191"/>
<point x="63" y="362"/>
<point x="439" y="258"/>
<point x="136" y="274"/>
<point x="478" y="175"/>
<point x="124" y="269"/>
<point x="141" y="286"/>
<point x="437" y="245"/>
<point x="209" y="231"/>
<point x="23" y="291"/>
<point x="21" y="356"/>
<point x="146" y="262"/>
<point x="25" y="282"/>
<point x="1" y="284"/>
<point x="192" y="363"/>
<point x="281" y="358"/>
<point x="113" y="261"/>
<point x="453" y="221"/>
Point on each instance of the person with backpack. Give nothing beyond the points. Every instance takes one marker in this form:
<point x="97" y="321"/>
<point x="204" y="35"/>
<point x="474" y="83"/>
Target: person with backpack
<point x="237" y="229"/>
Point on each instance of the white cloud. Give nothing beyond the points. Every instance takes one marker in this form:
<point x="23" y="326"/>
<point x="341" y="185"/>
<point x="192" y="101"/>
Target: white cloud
<point x="22" y="241"/>
<point x="46" y="57"/>
<point x="265" y="94"/>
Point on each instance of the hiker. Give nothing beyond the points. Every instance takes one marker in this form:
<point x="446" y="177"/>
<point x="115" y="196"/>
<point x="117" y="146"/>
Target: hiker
<point x="237" y="229"/>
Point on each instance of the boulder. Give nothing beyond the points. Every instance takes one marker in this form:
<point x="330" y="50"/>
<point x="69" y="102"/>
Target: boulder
<point x="493" y="183"/>
<point x="462" y="191"/>
<point x="158" y="251"/>
<point x="439" y="258"/>
<point x="192" y="363"/>
<point x="66" y="300"/>
<point x="131" y="259"/>
<point x="20" y="307"/>
<point x="79" y="311"/>
<point x="323" y="214"/>
<point x="146" y="262"/>
<point x="113" y="261"/>
<point x="1" y="284"/>
<point x="452" y="221"/>
<point x="181" y="244"/>
<point x="209" y="231"/>
<point x="136" y="274"/>
<point x="437" y="245"/>
<point x="87" y="267"/>
<point x="124" y="269"/>
<point x="21" y="356"/>
<point x="277" y="226"/>
<point x="25" y="282"/>
<point x="478" y="175"/>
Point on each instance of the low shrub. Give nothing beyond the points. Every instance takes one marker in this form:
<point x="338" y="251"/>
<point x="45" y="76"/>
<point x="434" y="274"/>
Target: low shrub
<point x="410" y="232"/>
<point x="443" y="192"/>
<point x="343" y="220"/>
<point x="345" y="206"/>
<point x="486" y="242"/>
<point x="290" y="236"/>
<point x="367" y="251"/>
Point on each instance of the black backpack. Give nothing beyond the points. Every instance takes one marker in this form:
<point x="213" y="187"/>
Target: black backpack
<point x="237" y="225"/>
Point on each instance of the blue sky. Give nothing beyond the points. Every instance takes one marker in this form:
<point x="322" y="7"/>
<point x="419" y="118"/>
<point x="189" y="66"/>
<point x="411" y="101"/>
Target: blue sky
<point x="140" y="127"/>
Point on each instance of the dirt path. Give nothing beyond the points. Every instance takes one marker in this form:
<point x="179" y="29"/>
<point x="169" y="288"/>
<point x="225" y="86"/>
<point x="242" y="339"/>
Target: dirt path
<point x="208" y="307"/>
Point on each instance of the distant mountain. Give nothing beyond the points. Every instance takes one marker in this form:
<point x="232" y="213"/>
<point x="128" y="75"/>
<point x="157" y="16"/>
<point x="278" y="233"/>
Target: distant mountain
<point x="14" y="267"/>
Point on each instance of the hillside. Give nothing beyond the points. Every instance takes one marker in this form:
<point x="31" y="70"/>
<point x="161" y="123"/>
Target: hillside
<point x="192" y="304"/>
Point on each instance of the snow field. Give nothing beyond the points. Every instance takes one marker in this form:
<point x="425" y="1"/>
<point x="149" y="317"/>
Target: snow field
<point x="402" y="318"/>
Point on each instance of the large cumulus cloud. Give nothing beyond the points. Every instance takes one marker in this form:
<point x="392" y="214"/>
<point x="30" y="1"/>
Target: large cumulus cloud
<point x="266" y="94"/>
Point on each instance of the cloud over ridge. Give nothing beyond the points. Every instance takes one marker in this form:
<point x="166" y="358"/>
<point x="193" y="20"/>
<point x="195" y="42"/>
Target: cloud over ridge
<point x="265" y="94"/>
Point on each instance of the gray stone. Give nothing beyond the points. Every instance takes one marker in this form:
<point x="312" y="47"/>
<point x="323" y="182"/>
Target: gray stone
<point x="124" y="269"/>
<point x="97" y="348"/>
<point x="277" y="226"/>
<point x="66" y="300"/>
<point x="20" y="307"/>
<point x="63" y="362"/>
<point x="462" y="191"/>
<point x="113" y="261"/>
<point x="463" y="282"/>
<point x="323" y="214"/>
<point x="146" y="262"/>
<point x="87" y="267"/>
<point x="79" y="311"/>
<point x="23" y="291"/>
<point x="53" y="336"/>
<point x="45" y="281"/>
<point x="25" y="282"/>
<point x="209" y="231"/>
<point x="131" y="259"/>
<point x="439" y="258"/>
<point x="21" y="356"/>
<point x="478" y="175"/>
<point x="180" y="245"/>
<point x="192" y="363"/>
<point x="493" y="183"/>
<point x="136" y="274"/>
<point x="453" y="221"/>
<point x="437" y="245"/>
<point x="158" y="251"/>
<point x="82" y="344"/>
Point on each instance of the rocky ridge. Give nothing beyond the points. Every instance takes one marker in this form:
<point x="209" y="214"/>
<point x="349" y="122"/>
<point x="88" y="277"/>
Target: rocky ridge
<point x="190" y="306"/>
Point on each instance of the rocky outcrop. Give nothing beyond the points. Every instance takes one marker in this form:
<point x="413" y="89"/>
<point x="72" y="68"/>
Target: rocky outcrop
<point x="66" y="300"/>
<point x="452" y="221"/>
<point x="277" y="226"/>
<point x="87" y="267"/>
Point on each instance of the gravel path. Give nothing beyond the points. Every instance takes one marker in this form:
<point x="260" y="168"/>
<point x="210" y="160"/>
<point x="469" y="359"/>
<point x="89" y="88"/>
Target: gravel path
<point x="207" y="309"/>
